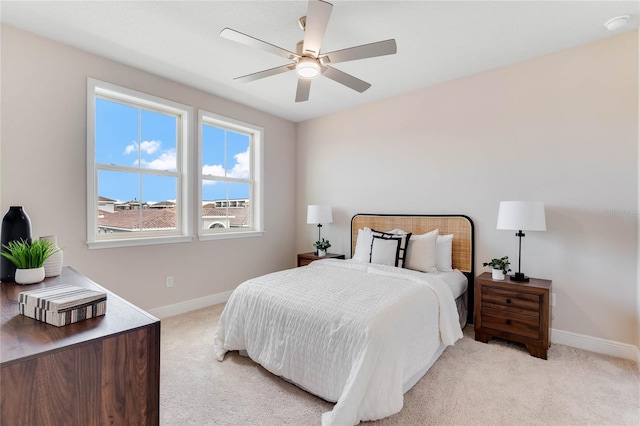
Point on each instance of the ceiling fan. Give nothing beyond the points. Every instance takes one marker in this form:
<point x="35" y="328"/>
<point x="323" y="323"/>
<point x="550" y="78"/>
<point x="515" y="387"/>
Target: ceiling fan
<point x="308" y="61"/>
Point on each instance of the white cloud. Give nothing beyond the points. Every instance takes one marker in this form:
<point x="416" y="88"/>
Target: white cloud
<point x="239" y="170"/>
<point x="213" y="170"/>
<point x="165" y="161"/>
<point x="147" y="147"/>
<point x="150" y="146"/>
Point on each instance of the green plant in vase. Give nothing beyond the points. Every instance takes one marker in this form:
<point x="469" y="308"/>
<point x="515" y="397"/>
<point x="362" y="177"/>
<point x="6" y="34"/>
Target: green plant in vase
<point x="29" y="258"/>
<point x="322" y="246"/>
<point x="499" y="266"/>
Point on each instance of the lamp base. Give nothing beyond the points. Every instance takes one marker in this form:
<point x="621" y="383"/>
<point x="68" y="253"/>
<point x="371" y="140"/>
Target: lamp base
<point x="520" y="277"/>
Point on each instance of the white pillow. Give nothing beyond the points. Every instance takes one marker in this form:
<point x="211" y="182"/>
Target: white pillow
<point x="443" y="253"/>
<point x="362" y="253"/>
<point x="385" y="251"/>
<point x="421" y="252"/>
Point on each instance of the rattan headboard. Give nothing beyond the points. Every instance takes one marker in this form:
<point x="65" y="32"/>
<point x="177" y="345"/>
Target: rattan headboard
<point x="460" y="226"/>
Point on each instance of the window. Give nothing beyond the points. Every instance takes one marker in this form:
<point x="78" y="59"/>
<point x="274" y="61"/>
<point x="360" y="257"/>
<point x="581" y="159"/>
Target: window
<point x="230" y="176"/>
<point x="137" y="174"/>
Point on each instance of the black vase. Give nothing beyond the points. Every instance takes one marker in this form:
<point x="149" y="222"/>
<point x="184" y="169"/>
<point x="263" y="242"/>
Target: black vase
<point x="16" y="226"/>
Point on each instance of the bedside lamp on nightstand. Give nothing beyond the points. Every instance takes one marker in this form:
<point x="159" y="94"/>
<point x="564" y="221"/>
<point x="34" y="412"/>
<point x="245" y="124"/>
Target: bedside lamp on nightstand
<point x="521" y="216"/>
<point x="319" y="214"/>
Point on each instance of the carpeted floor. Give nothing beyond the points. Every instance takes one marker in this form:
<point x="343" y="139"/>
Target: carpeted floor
<point x="471" y="384"/>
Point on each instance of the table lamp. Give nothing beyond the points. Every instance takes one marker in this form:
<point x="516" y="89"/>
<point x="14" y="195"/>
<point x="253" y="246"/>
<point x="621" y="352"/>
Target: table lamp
<point x="521" y="216"/>
<point x="319" y="214"/>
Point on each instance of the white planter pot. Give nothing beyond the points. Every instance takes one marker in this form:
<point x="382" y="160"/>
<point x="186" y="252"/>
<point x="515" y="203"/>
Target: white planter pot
<point x="497" y="274"/>
<point x="53" y="265"/>
<point x="29" y="276"/>
<point x="322" y="253"/>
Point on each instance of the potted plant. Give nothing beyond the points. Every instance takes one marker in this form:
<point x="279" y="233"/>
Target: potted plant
<point x="499" y="267"/>
<point x="322" y="246"/>
<point x="28" y="258"/>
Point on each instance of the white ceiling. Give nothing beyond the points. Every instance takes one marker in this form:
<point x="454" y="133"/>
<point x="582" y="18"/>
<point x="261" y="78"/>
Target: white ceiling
<point x="437" y="41"/>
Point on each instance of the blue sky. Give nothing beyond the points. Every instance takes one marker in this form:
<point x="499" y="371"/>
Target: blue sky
<point x="152" y="145"/>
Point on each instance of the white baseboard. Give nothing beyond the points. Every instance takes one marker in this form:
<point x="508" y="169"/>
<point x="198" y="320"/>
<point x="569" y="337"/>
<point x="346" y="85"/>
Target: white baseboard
<point x="595" y="344"/>
<point x="189" y="305"/>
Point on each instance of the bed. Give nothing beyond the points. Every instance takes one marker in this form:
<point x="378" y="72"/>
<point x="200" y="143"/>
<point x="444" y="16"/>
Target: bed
<point x="356" y="333"/>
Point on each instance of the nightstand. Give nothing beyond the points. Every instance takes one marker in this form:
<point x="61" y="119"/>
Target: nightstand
<point x="306" y="258"/>
<point x="515" y="311"/>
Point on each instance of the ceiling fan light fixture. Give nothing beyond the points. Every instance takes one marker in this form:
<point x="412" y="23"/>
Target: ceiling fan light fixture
<point x="617" y="22"/>
<point x="307" y="68"/>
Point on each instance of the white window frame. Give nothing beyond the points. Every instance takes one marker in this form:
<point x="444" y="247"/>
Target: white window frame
<point x="184" y="223"/>
<point x="256" y="179"/>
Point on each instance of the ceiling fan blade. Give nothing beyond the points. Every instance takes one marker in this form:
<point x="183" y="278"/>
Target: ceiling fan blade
<point x="345" y="79"/>
<point x="317" y="19"/>
<point x="371" y="50"/>
<point x="247" y="40"/>
<point x="304" y="86"/>
<point x="266" y="73"/>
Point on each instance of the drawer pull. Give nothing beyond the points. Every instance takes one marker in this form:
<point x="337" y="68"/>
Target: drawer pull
<point x="508" y="300"/>
<point x="508" y="322"/>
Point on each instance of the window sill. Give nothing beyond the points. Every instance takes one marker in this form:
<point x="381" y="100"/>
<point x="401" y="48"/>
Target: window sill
<point x="102" y="244"/>
<point x="229" y="235"/>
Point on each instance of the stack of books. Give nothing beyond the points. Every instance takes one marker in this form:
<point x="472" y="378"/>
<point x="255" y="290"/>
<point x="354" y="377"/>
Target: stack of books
<point x="62" y="304"/>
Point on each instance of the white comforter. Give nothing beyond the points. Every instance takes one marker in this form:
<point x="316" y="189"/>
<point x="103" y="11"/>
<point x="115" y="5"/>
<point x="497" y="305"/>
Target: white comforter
<point x="352" y="333"/>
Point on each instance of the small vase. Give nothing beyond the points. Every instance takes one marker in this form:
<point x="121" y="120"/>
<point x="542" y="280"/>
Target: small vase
<point x="497" y="274"/>
<point x="16" y="226"/>
<point x="29" y="276"/>
<point x="322" y="253"/>
<point x="53" y="265"/>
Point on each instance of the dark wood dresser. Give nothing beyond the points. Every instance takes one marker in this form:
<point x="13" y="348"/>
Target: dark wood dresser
<point x="101" y="371"/>
<point x="516" y="311"/>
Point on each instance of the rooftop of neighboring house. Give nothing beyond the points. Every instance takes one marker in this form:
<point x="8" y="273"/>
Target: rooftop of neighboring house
<point x="162" y="215"/>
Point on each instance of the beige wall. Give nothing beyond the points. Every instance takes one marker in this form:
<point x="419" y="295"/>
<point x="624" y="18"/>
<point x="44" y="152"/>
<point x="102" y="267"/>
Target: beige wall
<point x="562" y="129"/>
<point x="43" y="168"/>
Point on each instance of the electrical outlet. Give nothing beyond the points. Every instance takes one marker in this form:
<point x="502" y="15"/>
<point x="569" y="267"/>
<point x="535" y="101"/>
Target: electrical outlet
<point x="553" y="299"/>
<point x="169" y="281"/>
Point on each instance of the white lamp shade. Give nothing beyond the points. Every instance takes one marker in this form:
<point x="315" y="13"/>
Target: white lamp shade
<point x="319" y="214"/>
<point x="521" y="216"/>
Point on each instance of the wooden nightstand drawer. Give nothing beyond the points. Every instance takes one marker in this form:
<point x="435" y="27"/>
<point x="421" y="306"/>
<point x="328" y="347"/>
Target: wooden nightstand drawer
<point x="513" y="300"/>
<point x="306" y="258"/>
<point x="304" y="262"/>
<point x="522" y="325"/>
